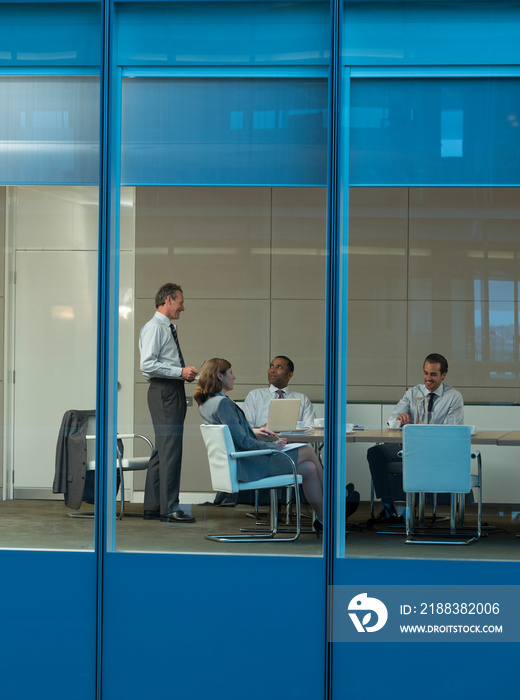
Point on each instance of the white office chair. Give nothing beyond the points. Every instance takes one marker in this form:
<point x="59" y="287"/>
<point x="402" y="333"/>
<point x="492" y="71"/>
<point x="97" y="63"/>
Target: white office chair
<point x="123" y="464"/>
<point x="222" y="458"/>
<point x="437" y="459"/>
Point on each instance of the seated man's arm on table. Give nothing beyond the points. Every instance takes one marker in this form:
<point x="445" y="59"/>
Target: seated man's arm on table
<point x="403" y="409"/>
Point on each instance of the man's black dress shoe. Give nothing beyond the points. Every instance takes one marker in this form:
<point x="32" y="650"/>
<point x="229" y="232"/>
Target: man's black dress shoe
<point x="385" y="518"/>
<point x="151" y="515"/>
<point x="178" y="516"/>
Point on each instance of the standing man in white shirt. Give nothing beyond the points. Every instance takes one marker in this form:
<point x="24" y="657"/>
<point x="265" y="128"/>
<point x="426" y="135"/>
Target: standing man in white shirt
<point x="162" y="364"/>
<point x="445" y="404"/>
<point x="258" y="401"/>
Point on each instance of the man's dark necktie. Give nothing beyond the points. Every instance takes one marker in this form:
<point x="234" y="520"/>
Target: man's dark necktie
<point x="280" y="393"/>
<point x="174" y="333"/>
<point x="430" y="402"/>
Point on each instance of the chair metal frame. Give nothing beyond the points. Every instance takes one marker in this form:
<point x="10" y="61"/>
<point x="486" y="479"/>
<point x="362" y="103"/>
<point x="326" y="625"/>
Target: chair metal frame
<point x="123" y="465"/>
<point x="130" y="464"/>
<point x="457" y="483"/>
<point x="223" y="458"/>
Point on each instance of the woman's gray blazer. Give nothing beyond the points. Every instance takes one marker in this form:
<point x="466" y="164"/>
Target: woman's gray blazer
<point x="219" y="410"/>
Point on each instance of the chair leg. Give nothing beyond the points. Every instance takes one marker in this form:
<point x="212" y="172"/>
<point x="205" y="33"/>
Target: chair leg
<point x="274" y="511"/>
<point x="410" y="500"/>
<point x="453" y="513"/>
<point x="462" y="508"/>
<point x="252" y="535"/>
<point x="256" y="515"/>
<point x="454" y="501"/>
<point x="421" y="510"/>
<point x="121" y="485"/>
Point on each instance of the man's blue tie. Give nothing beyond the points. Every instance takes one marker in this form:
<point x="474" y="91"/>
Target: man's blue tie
<point x="174" y="333"/>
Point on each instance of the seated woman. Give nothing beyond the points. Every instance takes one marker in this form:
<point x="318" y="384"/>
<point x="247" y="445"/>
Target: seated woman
<point x="215" y="381"/>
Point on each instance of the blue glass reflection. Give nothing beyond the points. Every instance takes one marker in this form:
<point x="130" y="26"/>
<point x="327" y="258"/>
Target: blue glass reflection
<point x="223" y="33"/>
<point x="49" y="130"/>
<point x="435" y="131"/>
<point x="50" y="34"/>
<point x="431" y="33"/>
<point x="224" y="131"/>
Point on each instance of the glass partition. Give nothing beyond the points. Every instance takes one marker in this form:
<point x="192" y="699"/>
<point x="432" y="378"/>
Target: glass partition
<point x="434" y="270"/>
<point x="51" y="256"/>
<point x="249" y="256"/>
<point x="430" y="131"/>
<point x="49" y="171"/>
<point x="238" y="255"/>
<point x="50" y="239"/>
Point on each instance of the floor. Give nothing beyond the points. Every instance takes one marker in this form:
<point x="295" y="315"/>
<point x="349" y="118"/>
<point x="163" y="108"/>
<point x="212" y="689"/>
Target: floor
<point x="47" y="525"/>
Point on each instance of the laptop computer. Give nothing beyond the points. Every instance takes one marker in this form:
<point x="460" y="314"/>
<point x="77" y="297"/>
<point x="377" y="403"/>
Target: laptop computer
<point x="283" y="414"/>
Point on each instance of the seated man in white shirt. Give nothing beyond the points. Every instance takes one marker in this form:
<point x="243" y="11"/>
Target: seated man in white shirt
<point x="257" y="403"/>
<point x="445" y="404"/>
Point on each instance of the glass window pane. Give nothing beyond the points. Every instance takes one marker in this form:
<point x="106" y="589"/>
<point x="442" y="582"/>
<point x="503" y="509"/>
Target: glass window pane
<point x="432" y="270"/>
<point x="243" y="258"/>
<point x="459" y="131"/>
<point x="49" y="130"/>
<point x="224" y="131"/>
<point x="251" y="264"/>
<point x="49" y="161"/>
<point x="51" y="256"/>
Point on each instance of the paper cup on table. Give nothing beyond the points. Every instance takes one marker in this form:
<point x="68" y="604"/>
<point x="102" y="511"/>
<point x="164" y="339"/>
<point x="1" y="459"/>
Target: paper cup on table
<point x="319" y="422"/>
<point x="393" y="424"/>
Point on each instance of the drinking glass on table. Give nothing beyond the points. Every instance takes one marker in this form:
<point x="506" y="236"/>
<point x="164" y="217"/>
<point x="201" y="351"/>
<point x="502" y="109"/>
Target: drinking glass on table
<point x="422" y="415"/>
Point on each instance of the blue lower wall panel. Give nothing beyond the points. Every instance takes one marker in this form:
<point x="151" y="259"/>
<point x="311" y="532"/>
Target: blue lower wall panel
<point x="476" y="670"/>
<point x="48" y="630"/>
<point x="200" y="626"/>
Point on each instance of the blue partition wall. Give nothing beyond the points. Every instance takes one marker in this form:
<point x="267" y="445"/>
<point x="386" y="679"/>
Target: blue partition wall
<point x="306" y="94"/>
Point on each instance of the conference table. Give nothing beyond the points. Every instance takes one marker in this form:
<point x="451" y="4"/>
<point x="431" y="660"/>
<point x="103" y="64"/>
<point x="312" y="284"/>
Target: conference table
<point x="505" y="438"/>
<point x="316" y="436"/>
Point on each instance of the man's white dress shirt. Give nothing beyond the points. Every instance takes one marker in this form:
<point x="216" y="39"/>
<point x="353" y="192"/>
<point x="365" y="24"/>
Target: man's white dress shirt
<point x="448" y="402"/>
<point x="159" y="353"/>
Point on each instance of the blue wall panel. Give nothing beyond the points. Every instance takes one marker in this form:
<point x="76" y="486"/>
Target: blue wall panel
<point x="476" y="670"/>
<point x="223" y="33"/>
<point x="200" y="626"/>
<point x="431" y="33"/>
<point x="48" y="630"/>
<point x="50" y="34"/>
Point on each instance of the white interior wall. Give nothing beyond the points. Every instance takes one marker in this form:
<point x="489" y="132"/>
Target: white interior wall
<point x="52" y="239"/>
